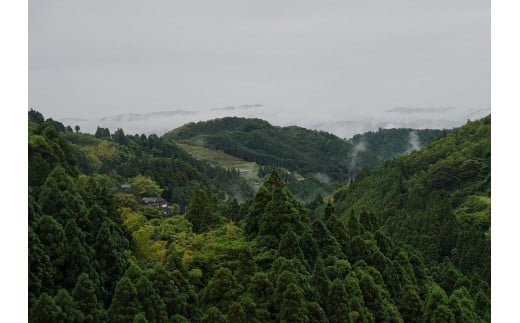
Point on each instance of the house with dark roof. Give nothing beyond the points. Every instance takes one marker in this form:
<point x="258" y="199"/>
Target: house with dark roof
<point x="158" y="202"/>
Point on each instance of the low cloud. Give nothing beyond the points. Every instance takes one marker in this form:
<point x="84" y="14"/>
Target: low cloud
<point x="145" y="116"/>
<point x="410" y="110"/>
<point x="413" y="142"/>
<point x="361" y="146"/>
<point x="229" y="108"/>
<point x="251" y="106"/>
<point x="342" y="123"/>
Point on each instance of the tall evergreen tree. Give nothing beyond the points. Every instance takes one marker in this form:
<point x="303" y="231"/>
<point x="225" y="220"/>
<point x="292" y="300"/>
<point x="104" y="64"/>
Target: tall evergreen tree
<point x="41" y="270"/>
<point x="261" y="290"/>
<point x="443" y="314"/>
<point x="85" y="297"/>
<point x="70" y="310"/>
<point x="45" y="310"/>
<point x="236" y="313"/>
<point x="165" y="286"/>
<point x="125" y="303"/>
<point x="436" y="297"/>
<point x="293" y="307"/>
<point x="289" y="246"/>
<point x="150" y="302"/>
<point x="329" y="210"/>
<point x="283" y="280"/>
<point x="213" y="315"/>
<point x="246" y="265"/>
<point x="337" y="228"/>
<point x="320" y="282"/>
<point x="52" y="238"/>
<point x="337" y="303"/>
<point x="201" y="214"/>
<point x="222" y="290"/>
<point x="411" y="305"/>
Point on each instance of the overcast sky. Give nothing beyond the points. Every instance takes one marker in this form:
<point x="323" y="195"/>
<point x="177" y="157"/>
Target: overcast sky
<point x="340" y="66"/>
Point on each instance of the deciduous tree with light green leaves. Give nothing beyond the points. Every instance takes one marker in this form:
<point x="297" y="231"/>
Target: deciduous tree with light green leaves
<point x="145" y="186"/>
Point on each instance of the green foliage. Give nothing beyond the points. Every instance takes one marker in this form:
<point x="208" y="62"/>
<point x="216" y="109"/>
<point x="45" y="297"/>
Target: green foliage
<point x="337" y="302"/>
<point x="150" y="302"/>
<point x="395" y="242"/>
<point x="289" y="246"/>
<point x="70" y="310"/>
<point x="292" y="308"/>
<point x="301" y="150"/>
<point x="144" y="186"/>
<point x="411" y="305"/>
<point x="436" y="200"/>
<point x="125" y="303"/>
<point x="85" y="298"/>
<point x="45" y="310"/>
<point x="213" y="315"/>
<point x="222" y="290"/>
<point x="236" y="313"/>
<point x="201" y="213"/>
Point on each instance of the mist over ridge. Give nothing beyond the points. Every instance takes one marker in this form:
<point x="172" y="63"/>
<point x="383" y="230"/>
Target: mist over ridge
<point x="337" y="123"/>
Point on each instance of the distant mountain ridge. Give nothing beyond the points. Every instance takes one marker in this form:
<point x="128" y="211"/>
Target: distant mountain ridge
<point x="300" y="150"/>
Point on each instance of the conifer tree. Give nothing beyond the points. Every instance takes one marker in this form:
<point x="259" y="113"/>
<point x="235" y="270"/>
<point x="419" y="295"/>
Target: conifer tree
<point x="150" y="302"/>
<point x="213" y="315"/>
<point x="125" y="304"/>
<point x="77" y="258"/>
<point x="293" y="307"/>
<point x="60" y="199"/>
<point x="69" y="308"/>
<point x="41" y="270"/>
<point x="368" y="221"/>
<point x="309" y="248"/>
<point x="353" y="227"/>
<point x="165" y="286"/>
<point x="483" y="305"/>
<point x="140" y="318"/>
<point x="233" y="211"/>
<point x="85" y="297"/>
<point x="462" y="306"/>
<point x="283" y="280"/>
<point x="281" y="213"/>
<point x="261" y="290"/>
<point x="257" y="208"/>
<point x="372" y="296"/>
<point x="329" y="210"/>
<point x="45" y="310"/>
<point x="200" y="212"/>
<point x="187" y="303"/>
<point x="436" y="297"/>
<point x="327" y="244"/>
<point x="236" y="313"/>
<point x="222" y="289"/>
<point x="316" y="313"/>
<point x="52" y="237"/>
<point x="289" y="246"/>
<point x="443" y="314"/>
<point x="411" y="305"/>
<point x="246" y="265"/>
<point x="337" y="228"/>
<point x="320" y="282"/>
<point x="133" y="272"/>
<point x="337" y="303"/>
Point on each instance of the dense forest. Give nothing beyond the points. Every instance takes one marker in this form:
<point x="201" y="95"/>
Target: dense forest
<point x="297" y="149"/>
<point x="311" y="162"/>
<point x="405" y="241"/>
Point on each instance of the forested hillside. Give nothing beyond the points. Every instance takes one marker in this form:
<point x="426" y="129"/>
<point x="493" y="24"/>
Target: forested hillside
<point x="300" y="150"/>
<point x="398" y="244"/>
<point x="436" y="199"/>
